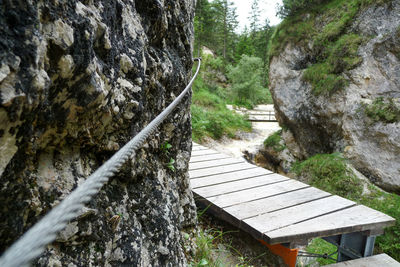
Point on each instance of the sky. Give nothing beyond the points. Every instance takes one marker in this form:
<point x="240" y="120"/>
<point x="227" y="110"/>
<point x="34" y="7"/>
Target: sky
<point x="268" y="10"/>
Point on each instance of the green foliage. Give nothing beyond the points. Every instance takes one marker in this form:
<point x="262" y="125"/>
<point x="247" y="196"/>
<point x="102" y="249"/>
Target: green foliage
<point x="216" y="123"/>
<point x="205" y="242"/>
<point x="320" y="246"/>
<point x="274" y="141"/>
<point x="165" y="147"/>
<point x="210" y="116"/>
<point x="246" y="82"/>
<point x="339" y="56"/>
<point x="383" y="110"/>
<point x="170" y="164"/>
<point x="333" y="52"/>
<point x="292" y="7"/>
<point x="330" y="173"/>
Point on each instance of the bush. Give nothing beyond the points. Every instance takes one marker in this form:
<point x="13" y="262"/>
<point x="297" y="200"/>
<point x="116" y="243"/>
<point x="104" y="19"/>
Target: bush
<point x="274" y="141"/>
<point x="246" y="82"/>
<point x="383" y="110"/>
<point x="292" y="7"/>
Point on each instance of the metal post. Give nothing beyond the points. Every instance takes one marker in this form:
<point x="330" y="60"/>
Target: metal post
<point x="353" y="245"/>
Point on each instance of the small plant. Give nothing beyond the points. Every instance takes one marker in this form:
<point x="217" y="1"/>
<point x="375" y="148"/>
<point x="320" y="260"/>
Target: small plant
<point x="165" y="147"/>
<point x="274" y="141"/>
<point x="383" y="110"/>
<point x="170" y="165"/>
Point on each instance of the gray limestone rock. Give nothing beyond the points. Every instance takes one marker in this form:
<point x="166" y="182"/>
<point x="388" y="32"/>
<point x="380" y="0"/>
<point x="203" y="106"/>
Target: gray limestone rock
<point x="78" y="79"/>
<point x="325" y="124"/>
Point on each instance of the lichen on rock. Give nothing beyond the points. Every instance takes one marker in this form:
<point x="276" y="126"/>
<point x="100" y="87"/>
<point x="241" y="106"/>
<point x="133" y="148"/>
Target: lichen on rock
<point x="78" y="79"/>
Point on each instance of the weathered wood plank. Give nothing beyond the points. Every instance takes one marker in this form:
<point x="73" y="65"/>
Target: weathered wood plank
<point x="214" y="163"/>
<point x="220" y="169"/>
<point x="381" y="260"/>
<point x="228" y="177"/>
<point x="254" y="208"/>
<point x="286" y="217"/>
<point x="354" y="219"/>
<point x="256" y="193"/>
<point x="230" y="187"/>
<point x="204" y="152"/>
<point x="198" y="148"/>
<point x="208" y="158"/>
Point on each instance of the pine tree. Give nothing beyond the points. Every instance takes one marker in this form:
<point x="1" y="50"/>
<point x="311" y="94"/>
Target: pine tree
<point x="203" y="25"/>
<point x="254" y="17"/>
<point x="225" y="25"/>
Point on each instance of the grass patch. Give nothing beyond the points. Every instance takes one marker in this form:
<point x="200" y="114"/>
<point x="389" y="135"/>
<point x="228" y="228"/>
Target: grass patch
<point x="274" y="141"/>
<point x="219" y="247"/>
<point x="330" y="173"/>
<point x="216" y="123"/>
<point x="320" y="246"/>
<point x="210" y="116"/>
<point x="383" y="110"/>
<point x="325" y="77"/>
<point x="206" y="245"/>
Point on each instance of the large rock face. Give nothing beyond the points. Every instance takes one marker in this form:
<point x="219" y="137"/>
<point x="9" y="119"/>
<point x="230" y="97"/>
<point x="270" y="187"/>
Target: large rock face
<point x="78" y="79"/>
<point x="338" y="122"/>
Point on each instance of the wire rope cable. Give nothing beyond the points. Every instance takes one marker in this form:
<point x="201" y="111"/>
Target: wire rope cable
<point x="32" y="244"/>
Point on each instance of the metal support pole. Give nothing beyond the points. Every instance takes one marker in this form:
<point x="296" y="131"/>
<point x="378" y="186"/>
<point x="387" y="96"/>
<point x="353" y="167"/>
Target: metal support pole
<point x="353" y="245"/>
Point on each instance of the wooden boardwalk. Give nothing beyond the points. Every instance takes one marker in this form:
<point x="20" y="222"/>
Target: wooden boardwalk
<point x="272" y="207"/>
<point x="381" y="260"/>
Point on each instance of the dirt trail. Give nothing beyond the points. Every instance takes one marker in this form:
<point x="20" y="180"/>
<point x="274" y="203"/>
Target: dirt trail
<point x="249" y="142"/>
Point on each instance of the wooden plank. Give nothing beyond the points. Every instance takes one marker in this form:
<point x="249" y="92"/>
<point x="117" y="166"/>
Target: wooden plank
<point x="208" y="157"/>
<point x="231" y="199"/>
<point x="230" y="187"/>
<point x="285" y="217"/>
<point x="198" y="148"/>
<point x="253" y="208"/>
<point x="204" y="152"/>
<point x="220" y="169"/>
<point x="373" y="261"/>
<point x="229" y="177"/>
<point x="354" y="219"/>
<point x="214" y="163"/>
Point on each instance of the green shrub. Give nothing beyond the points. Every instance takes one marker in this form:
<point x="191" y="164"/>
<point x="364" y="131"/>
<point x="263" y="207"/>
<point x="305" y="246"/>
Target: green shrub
<point x="216" y="123"/>
<point x="246" y="83"/>
<point x="273" y="141"/>
<point x="340" y="56"/>
<point x="292" y="7"/>
<point x="383" y="110"/>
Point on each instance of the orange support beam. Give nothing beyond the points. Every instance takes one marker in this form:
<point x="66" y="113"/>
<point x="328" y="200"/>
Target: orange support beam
<point x="288" y="255"/>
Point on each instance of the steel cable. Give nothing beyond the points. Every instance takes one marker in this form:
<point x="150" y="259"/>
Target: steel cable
<point x="32" y="244"/>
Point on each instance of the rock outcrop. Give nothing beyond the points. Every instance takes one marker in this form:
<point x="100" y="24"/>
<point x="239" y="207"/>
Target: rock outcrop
<point x="78" y="79"/>
<point x="344" y="120"/>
